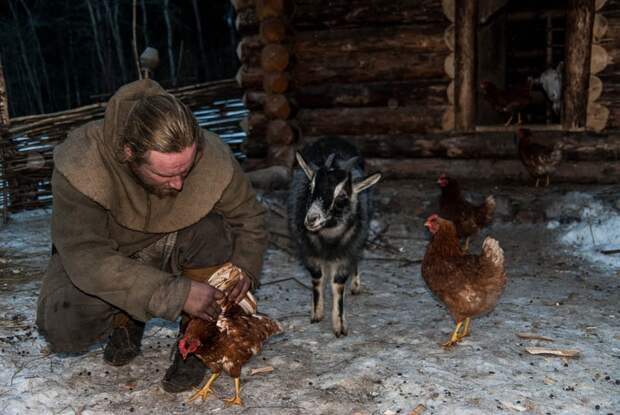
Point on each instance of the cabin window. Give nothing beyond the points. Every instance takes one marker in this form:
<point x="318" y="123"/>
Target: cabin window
<point x="515" y="51"/>
<point x="521" y="51"/>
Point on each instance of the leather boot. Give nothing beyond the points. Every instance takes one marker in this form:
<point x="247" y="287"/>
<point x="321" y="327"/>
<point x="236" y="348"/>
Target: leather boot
<point x="124" y="343"/>
<point x="183" y="375"/>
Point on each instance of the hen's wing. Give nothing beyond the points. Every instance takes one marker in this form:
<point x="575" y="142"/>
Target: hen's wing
<point x="540" y="159"/>
<point x="240" y="337"/>
<point x="468" y="284"/>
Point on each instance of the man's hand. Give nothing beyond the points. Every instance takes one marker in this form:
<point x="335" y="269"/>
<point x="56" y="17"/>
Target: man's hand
<point x="237" y="292"/>
<point x="202" y="301"/>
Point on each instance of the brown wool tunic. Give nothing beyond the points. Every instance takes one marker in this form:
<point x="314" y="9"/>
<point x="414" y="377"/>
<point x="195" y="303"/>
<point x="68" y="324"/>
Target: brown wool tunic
<point x="102" y="215"/>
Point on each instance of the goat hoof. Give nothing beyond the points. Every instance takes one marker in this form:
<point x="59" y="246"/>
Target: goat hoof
<point x="341" y="332"/>
<point x="315" y="320"/>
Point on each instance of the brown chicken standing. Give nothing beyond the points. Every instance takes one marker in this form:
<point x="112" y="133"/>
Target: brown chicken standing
<point x="511" y="101"/>
<point x="540" y="160"/>
<point x="469" y="285"/>
<point x="467" y="217"/>
<point x="228" y="343"/>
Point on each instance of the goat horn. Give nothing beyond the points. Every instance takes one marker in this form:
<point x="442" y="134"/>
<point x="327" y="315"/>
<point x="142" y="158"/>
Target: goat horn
<point x="330" y="160"/>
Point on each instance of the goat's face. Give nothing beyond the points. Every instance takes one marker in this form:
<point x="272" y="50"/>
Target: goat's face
<point x="333" y="192"/>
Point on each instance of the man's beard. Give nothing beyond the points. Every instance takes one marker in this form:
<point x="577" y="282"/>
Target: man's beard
<point x="161" y="192"/>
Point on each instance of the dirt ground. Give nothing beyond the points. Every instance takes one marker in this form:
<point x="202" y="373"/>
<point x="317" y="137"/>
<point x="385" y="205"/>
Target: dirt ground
<point x="391" y="361"/>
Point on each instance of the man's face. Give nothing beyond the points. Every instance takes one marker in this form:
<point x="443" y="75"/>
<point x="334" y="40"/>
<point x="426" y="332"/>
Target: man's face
<point x="163" y="174"/>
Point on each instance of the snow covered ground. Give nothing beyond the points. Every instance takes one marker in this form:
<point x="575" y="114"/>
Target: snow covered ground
<point x="560" y="286"/>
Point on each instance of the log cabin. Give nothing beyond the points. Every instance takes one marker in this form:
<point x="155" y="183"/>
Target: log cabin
<point x="400" y="79"/>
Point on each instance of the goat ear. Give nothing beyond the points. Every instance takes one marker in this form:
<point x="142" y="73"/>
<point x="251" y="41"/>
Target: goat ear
<point x="366" y="183"/>
<point x="330" y="160"/>
<point x="304" y="166"/>
<point x="349" y="164"/>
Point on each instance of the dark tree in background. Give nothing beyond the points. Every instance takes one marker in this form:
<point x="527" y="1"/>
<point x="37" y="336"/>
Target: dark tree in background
<point x="59" y="54"/>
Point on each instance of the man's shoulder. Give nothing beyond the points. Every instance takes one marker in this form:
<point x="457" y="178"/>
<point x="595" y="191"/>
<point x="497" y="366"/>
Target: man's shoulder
<point x="80" y="142"/>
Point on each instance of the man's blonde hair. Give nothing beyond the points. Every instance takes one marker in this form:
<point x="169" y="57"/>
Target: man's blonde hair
<point x="160" y="123"/>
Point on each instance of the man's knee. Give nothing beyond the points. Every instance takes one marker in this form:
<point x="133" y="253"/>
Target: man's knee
<point x="206" y="243"/>
<point x="72" y="321"/>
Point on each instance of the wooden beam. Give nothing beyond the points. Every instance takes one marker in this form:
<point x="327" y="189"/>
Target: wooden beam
<point x="579" y="25"/>
<point x="466" y="18"/>
<point x="493" y="170"/>
<point x="496" y="146"/>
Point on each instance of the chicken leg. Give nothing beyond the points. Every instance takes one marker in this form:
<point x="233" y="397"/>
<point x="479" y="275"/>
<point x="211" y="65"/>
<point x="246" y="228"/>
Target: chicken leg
<point x="205" y="390"/>
<point x="454" y="337"/>
<point x="465" y="332"/>
<point x="466" y="247"/>
<point x="235" y="400"/>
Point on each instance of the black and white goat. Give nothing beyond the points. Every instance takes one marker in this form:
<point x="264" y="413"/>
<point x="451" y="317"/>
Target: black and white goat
<point x="328" y="217"/>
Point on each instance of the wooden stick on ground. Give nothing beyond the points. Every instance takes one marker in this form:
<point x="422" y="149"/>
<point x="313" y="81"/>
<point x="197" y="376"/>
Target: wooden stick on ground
<point x="554" y="352"/>
<point x="533" y="336"/>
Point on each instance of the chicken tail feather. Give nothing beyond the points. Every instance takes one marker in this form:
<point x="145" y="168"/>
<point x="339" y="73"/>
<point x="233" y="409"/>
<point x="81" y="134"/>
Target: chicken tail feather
<point x="489" y="209"/>
<point x="493" y="252"/>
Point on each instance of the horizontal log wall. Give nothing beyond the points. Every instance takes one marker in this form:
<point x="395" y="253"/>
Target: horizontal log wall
<point x="610" y="76"/>
<point x="496" y="146"/>
<point x="369" y="66"/>
<point x="375" y="73"/>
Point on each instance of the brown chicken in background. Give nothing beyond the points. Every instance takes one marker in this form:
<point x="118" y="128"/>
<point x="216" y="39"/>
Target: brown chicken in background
<point x="467" y="217"/>
<point x="510" y="101"/>
<point x="469" y="285"/>
<point x="539" y="159"/>
<point x="228" y="343"/>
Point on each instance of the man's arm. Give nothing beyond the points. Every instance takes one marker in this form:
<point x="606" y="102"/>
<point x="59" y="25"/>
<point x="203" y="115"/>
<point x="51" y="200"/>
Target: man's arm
<point x="91" y="259"/>
<point x="246" y="217"/>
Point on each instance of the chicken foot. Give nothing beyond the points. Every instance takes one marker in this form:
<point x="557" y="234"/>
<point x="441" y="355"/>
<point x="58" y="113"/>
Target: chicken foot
<point x="456" y="336"/>
<point x="465" y="332"/>
<point x="235" y="400"/>
<point x="205" y="390"/>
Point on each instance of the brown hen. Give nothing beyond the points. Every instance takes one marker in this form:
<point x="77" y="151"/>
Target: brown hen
<point x="467" y="217"/>
<point x="539" y="159"/>
<point x="469" y="285"/>
<point x="510" y="101"/>
<point x="228" y="343"/>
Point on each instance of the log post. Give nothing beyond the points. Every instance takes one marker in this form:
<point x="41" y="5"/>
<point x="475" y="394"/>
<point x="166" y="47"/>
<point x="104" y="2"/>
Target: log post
<point x="466" y="18"/>
<point x="4" y="137"/>
<point x="275" y="57"/>
<point x="579" y="26"/>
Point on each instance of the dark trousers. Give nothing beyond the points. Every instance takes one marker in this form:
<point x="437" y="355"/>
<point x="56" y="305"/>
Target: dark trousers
<point x="72" y="321"/>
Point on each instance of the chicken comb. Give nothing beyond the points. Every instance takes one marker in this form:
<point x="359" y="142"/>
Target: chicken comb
<point x="431" y="219"/>
<point x="225" y="278"/>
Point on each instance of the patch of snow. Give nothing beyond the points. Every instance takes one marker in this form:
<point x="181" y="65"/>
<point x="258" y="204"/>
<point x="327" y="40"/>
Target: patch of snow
<point x="598" y="230"/>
